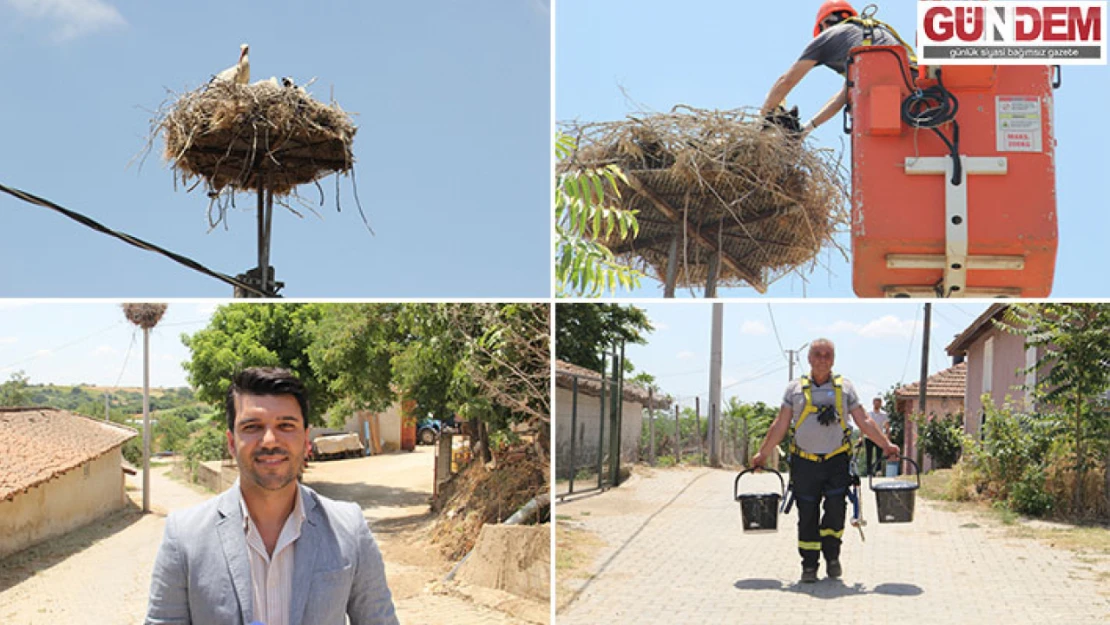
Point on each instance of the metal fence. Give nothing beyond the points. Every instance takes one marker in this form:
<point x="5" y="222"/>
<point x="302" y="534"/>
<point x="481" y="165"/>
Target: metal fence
<point x="590" y="460"/>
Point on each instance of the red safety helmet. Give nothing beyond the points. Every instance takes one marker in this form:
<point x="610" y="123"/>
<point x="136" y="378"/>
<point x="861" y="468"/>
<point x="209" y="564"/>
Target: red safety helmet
<point x="829" y="7"/>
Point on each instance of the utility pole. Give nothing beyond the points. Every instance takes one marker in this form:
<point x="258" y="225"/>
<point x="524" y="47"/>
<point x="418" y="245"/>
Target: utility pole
<point x="791" y="354"/>
<point x="146" y="420"/>
<point x="921" y="390"/>
<point x="715" y="353"/>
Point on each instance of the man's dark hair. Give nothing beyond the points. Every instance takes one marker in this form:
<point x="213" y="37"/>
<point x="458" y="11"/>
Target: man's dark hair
<point x="265" y="381"/>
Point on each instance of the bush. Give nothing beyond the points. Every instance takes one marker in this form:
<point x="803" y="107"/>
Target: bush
<point x="1028" y="495"/>
<point x="133" y="450"/>
<point x="941" y="438"/>
<point x="206" y="444"/>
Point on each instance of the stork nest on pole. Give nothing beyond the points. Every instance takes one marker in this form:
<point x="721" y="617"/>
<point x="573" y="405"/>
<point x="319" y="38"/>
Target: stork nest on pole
<point x="255" y="137"/>
<point x="146" y="316"/>
<point x="722" y="183"/>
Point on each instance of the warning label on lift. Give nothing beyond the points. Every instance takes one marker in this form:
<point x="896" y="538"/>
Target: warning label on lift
<point x="1019" y="123"/>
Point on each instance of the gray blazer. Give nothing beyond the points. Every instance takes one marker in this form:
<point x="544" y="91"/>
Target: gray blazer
<point x="202" y="575"/>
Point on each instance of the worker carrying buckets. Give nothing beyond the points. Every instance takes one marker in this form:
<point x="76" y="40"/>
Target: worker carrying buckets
<point x="759" y="511"/>
<point x="814" y="414"/>
<point x="894" y="500"/>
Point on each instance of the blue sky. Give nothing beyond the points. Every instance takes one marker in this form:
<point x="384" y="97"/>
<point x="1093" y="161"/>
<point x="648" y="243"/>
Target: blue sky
<point x="452" y="100"/>
<point x="877" y="344"/>
<point x="93" y="343"/>
<point x="619" y="57"/>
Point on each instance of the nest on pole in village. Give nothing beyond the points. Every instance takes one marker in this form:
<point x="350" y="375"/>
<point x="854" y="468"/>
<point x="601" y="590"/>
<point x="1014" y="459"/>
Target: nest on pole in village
<point x="146" y="316"/>
<point x="722" y="182"/>
<point x="255" y="137"/>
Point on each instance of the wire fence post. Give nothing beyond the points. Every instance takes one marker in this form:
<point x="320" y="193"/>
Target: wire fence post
<point x="677" y="437"/>
<point x="697" y="429"/>
<point x="651" y="427"/>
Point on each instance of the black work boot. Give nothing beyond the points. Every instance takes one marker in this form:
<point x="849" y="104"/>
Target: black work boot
<point x="833" y="569"/>
<point x="809" y="576"/>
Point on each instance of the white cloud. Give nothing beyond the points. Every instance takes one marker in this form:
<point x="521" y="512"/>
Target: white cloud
<point x="753" y="328"/>
<point x="888" y="326"/>
<point x="660" y="326"/>
<point x="105" y="350"/>
<point x="8" y="340"/>
<point x="43" y="353"/>
<point x="885" y="327"/>
<point x="72" y="18"/>
<point x="685" y="355"/>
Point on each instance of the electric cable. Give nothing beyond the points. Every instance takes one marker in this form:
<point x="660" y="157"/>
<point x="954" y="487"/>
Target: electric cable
<point x="134" y="241"/>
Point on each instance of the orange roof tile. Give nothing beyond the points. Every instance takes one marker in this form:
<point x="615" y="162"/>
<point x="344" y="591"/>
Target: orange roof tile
<point x="589" y="382"/>
<point x="38" y="444"/>
<point x="951" y="382"/>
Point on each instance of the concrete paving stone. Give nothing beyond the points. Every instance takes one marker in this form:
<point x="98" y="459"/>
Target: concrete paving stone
<point x="675" y="552"/>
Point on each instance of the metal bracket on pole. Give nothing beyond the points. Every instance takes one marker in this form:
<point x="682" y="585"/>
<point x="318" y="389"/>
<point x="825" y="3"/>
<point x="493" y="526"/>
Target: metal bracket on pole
<point x="956" y="259"/>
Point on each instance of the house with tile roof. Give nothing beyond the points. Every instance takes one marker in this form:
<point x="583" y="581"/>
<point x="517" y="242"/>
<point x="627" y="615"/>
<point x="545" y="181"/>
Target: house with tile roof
<point x="58" y="471"/>
<point x="578" y="416"/>
<point x="996" y="360"/>
<point x="944" y="396"/>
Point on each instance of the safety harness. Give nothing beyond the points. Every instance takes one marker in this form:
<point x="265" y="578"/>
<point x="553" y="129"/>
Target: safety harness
<point x="867" y="21"/>
<point x="810" y="408"/>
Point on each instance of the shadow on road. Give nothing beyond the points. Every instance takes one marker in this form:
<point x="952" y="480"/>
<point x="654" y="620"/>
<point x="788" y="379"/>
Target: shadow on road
<point x="32" y="561"/>
<point x="371" y="495"/>
<point x="829" y="589"/>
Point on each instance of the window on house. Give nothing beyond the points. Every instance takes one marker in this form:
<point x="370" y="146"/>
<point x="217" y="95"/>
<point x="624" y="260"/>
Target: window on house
<point x="1030" y="376"/>
<point x="988" y="365"/>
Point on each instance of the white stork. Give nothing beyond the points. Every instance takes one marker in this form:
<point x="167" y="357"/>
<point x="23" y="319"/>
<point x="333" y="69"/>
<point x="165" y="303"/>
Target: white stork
<point x="240" y="73"/>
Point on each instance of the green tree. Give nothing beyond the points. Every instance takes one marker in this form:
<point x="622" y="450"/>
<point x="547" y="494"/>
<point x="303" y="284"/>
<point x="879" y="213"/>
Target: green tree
<point x="208" y="443"/>
<point x="353" y="349"/>
<point x="15" y="392"/>
<point x="255" y="335"/>
<point x="942" y="439"/>
<point x="171" y="431"/>
<point x="1073" y="344"/>
<point x="582" y="331"/>
<point x="585" y="215"/>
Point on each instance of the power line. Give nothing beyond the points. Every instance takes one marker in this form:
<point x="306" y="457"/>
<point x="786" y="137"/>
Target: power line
<point x="127" y="356"/>
<point x="61" y="347"/>
<point x="909" y="348"/>
<point x="134" y="241"/>
<point x="776" y="329"/>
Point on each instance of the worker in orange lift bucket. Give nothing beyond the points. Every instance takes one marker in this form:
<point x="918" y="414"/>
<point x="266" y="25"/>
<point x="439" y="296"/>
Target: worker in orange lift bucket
<point x="836" y="31"/>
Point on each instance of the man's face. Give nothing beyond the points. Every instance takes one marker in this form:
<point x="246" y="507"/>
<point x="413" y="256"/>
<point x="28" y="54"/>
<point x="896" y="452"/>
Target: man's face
<point x="270" y="441"/>
<point x="877" y="404"/>
<point x="821" y="358"/>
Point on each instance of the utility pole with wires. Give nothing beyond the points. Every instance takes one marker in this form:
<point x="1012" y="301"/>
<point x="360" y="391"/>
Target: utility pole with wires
<point x="791" y="354"/>
<point x="715" y="356"/>
<point x="922" y="391"/>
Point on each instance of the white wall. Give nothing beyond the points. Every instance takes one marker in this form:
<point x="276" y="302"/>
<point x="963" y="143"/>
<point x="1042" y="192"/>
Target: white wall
<point x="588" y="428"/>
<point x="75" y="498"/>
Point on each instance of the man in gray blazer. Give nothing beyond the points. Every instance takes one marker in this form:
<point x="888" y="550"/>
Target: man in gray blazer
<point x="269" y="549"/>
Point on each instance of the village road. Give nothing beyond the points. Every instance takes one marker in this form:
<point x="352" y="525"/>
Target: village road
<point x="101" y="573"/>
<point x="675" y="553"/>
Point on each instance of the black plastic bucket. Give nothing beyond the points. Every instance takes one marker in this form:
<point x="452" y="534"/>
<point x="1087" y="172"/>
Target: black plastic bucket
<point x="894" y="500"/>
<point x="759" y="512"/>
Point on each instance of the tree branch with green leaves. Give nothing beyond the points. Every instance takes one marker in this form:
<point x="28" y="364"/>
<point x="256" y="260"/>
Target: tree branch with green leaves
<point x="585" y="216"/>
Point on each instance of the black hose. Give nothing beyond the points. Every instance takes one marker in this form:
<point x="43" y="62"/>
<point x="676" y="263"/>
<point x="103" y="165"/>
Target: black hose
<point x="931" y="108"/>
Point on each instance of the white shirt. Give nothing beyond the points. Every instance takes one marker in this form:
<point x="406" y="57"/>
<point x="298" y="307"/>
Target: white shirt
<point x="879" y="417"/>
<point x="272" y="575"/>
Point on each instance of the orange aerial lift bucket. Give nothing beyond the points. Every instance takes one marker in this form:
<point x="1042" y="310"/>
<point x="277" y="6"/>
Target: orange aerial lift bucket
<point x="923" y="225"/>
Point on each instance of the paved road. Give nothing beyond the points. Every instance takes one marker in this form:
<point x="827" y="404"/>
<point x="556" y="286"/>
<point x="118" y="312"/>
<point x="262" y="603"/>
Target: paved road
<point x="676" y="554"/>
<point x="101" y="573"/>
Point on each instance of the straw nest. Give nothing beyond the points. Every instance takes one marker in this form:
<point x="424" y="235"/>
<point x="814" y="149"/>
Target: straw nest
<point x="249" y="137"/>
<point x="146" y="316"/>
<point x="766" y="202"/>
